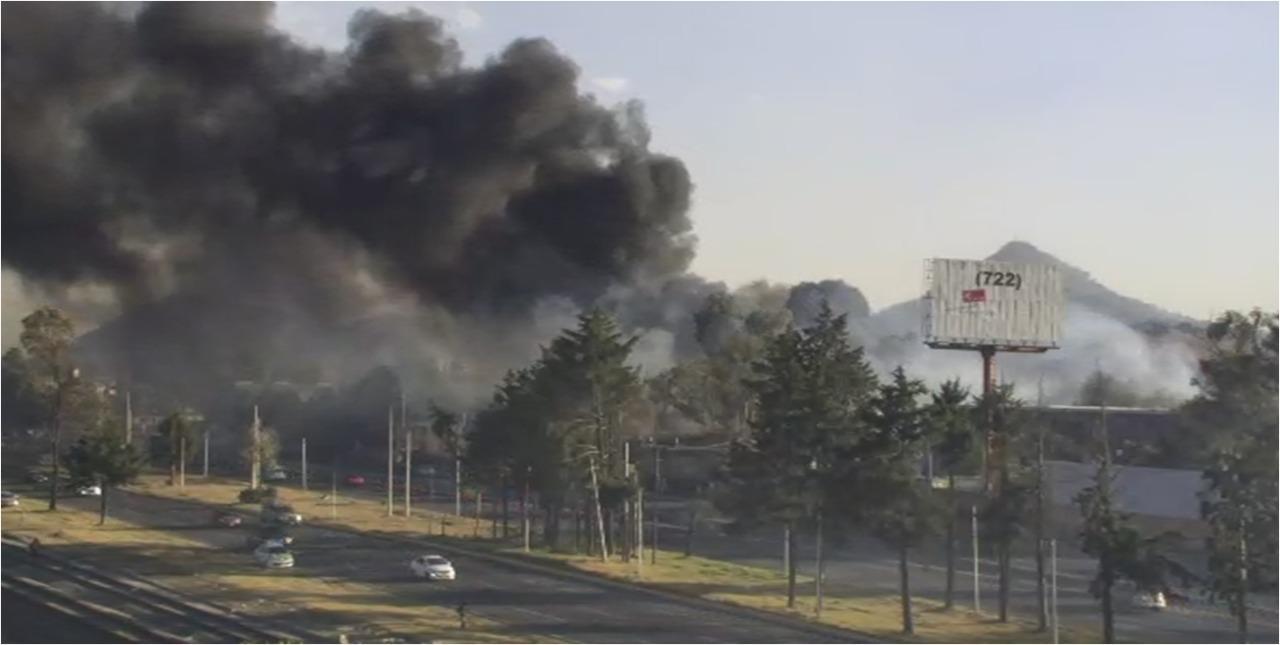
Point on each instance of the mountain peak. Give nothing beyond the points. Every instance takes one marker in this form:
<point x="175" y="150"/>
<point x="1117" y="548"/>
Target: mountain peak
<point x="1026" y="252"/>
<point x="1083" y="289"/>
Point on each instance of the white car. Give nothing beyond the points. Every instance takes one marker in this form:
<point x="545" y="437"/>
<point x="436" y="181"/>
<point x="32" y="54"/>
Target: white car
<point x="433" y="567"/>
<point x="273" y="555"/>
<point x="8" y="499"/>
<point x="1154" y="600"/>
<point x="90" y="491"/>
<point x="276" y="475"/>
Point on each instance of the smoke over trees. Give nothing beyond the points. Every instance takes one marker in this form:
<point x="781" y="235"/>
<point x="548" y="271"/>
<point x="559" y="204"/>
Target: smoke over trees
<point x="192" y="153"/>
<point x="257" y="210"/>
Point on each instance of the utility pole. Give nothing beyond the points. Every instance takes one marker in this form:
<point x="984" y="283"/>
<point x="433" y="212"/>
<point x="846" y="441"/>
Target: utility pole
<point x="206" y="454"/>
<point x="457" y="469"/>
<point x="408" y="459"/>
<point x="255" y="461"/>
<point x="817" y="580"/>
<point x="657" y="469"/>
<point x="304" y="463"/>
<point x="1043" y="616"/>
<point x="333" y="491"/>
<point x="524" y="507"/>
<point x="639" y="528"/>
<point x="128" y="418"/>
<point x="1053" y="573"/>
<point x="977" y="600"/>
<point x="626" y="503"/>
<point x="391" y="449"/>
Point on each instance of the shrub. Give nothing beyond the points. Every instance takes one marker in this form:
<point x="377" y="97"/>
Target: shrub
<point x="257" y="495"/>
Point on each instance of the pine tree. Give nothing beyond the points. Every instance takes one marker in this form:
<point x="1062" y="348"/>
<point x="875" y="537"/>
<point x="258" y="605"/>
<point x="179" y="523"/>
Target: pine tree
<point x="1237" y="407"/>
<point x="103" y="457"/>
<point x="810" y="391"/>
<point x="899" y="506"/>
<point x="951" y="432"/>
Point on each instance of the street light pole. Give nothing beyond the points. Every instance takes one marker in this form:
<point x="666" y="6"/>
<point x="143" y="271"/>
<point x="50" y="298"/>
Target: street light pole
<point x="391" y="446"/>
<point x="653" y="516"/>
<point x="977" y="602"/>
<point x="1053" y="577"/>
<point x="304" y="463"/>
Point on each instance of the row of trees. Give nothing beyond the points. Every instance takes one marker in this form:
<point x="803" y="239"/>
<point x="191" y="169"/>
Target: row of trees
<point x="826" y="447"/>
<point x="41" y="381"/>
<point x="821" y="444"/>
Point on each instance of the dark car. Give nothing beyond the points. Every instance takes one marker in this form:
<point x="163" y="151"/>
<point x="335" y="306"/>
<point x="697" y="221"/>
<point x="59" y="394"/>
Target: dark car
<point x="37" y="477"/>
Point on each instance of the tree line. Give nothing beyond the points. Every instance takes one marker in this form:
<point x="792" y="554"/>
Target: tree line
<point x="821" y="446"/>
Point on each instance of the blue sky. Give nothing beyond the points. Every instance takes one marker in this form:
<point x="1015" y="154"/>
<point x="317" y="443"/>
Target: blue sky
<point x="1137" y="141"/>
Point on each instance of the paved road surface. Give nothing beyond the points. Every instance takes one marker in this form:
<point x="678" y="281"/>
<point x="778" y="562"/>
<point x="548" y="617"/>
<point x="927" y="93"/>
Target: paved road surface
<point x="25" y="621"/>
<point x="525" y="602"/>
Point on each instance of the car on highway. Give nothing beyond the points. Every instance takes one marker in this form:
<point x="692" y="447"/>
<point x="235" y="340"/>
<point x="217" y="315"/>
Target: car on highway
<point x="35" y="477"/>
<point x="433" y="567"/>
<point x="354" y="480"/>
<point x="1153" y="600"/>
<point x="229" y="520"/>
<point x="8" y="499"/>
<point x="93" y="490"/>
<point x="273" y="556"/>
<point x="276" y="513"/>
<point x="268" y="534"/>
<point x="276" y="474"/>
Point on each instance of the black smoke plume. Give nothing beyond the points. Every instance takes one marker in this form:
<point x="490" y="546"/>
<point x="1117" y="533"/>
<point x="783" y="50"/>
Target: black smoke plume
<point x="260" y="209"/>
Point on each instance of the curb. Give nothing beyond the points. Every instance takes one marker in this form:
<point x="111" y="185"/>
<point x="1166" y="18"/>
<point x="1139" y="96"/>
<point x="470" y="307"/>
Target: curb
<point x="842" y="635"/>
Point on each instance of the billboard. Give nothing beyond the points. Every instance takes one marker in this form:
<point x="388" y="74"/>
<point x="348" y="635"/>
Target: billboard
<point x="1009" y="306"/>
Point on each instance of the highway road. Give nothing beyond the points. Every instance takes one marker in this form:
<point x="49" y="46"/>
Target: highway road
<point x="524" y="602"/>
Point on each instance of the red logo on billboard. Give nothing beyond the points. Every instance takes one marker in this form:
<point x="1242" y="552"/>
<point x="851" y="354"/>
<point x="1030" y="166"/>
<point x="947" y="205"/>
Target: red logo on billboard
<point x="974" y="295"/>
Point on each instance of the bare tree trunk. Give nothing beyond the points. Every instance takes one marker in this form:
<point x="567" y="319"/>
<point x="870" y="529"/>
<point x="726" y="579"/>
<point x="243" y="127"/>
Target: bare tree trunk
<point x="1108" y="613"/>
<point x="102" y="507"/>
<point x="595" y="490"/>
<point x="56" y="425"/>
<point x="908" y="625"/>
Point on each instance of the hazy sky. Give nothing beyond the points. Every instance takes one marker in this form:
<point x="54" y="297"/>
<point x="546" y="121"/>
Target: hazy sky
<point x="1137" y="141"/>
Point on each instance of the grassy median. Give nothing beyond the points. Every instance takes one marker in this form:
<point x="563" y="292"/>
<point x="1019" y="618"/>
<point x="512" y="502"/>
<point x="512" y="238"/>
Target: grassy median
<point x="845" y="605"/>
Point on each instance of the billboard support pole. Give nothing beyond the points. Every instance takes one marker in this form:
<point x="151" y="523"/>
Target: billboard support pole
<point x="988" y="387"/>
